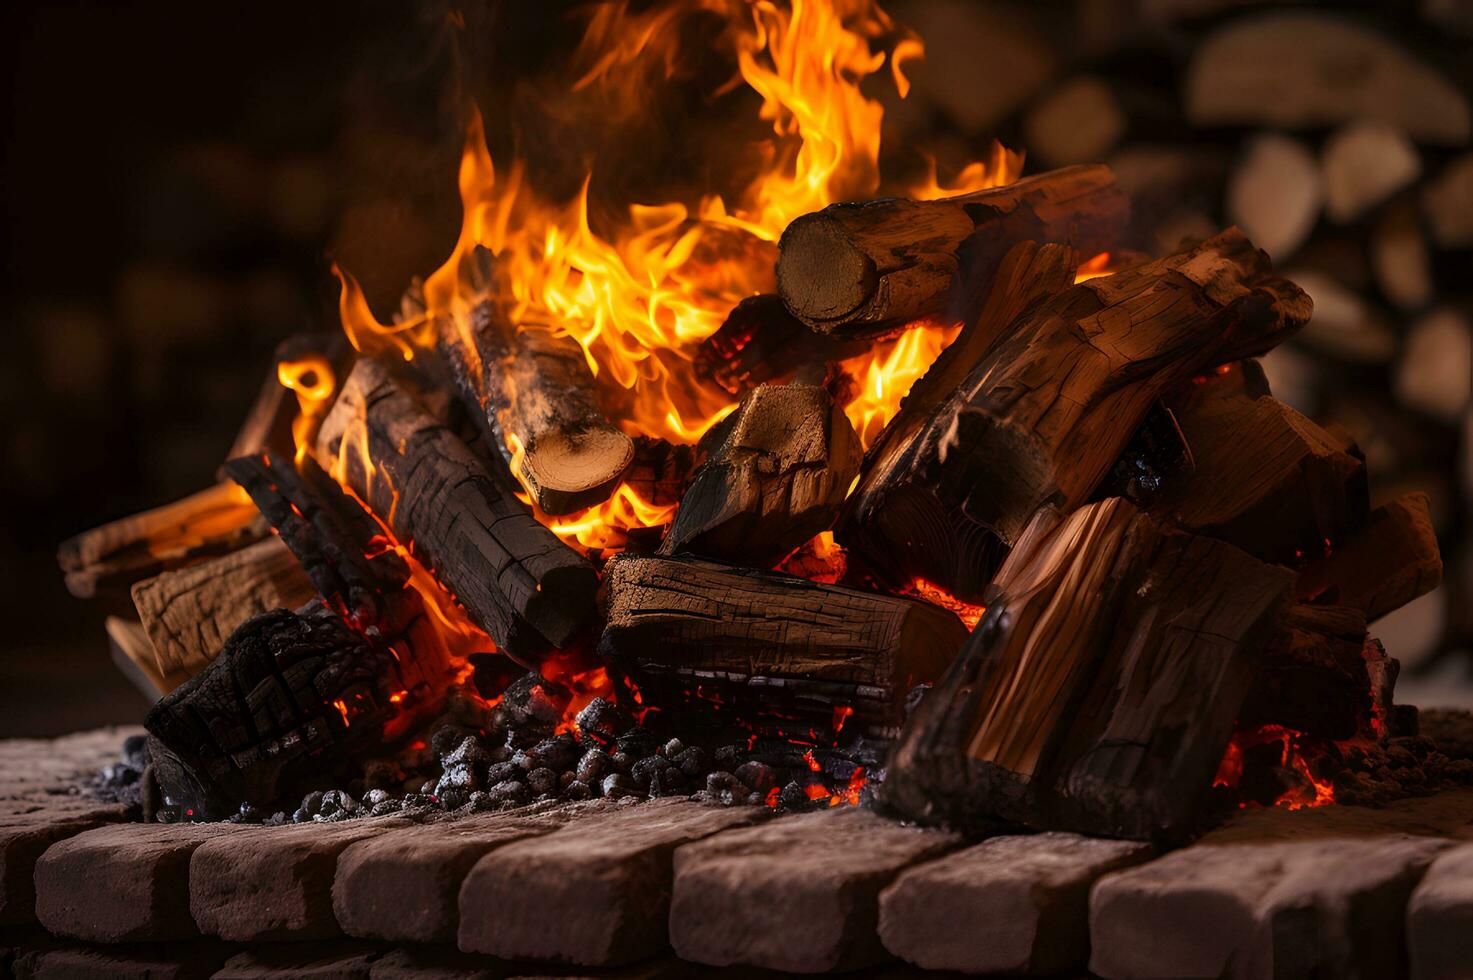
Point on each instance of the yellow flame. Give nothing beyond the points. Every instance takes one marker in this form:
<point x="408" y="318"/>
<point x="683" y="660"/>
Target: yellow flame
<point x="311" y="379"/>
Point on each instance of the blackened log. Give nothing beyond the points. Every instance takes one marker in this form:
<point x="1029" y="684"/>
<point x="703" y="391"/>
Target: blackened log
<point x="188" y="613"/>
<point x="866" y="270"/>
<point x="662" y="471"/>
<point x="1314" y="678"/>
<point x="520" y="584"/>
<point x="110" y="558"/>
<point x="760" y="341"/>
<point x="1381" y="567"/>
<point x="776" y="478"/>
<point x="534" y="385"/>
<point x="701" y="623"/>
<point x="1263" y="477"/>
<point x="1099" y="692"/>
<point x="1044" y="412"/>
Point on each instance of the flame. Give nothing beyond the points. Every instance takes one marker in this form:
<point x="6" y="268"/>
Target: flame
<point x="969" y="614"/>
<point x="640" y="292"/>
<point x="311" y="379"/>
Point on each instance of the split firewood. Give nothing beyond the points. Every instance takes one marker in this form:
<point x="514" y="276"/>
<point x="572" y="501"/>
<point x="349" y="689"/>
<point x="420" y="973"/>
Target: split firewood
<point x="1042" y="414"/>
<point x="866" y="270"/>
<point x="761" y="341"/>
<point x="314" y="360"/>
<point x="1099" y="692"/>
<point x="784" y="646"/>
<point x="521" y="584"/>
<point x="112" y="557"/>
<point x="133" y="655"/>
<point x="1263" y="477"/>
<point x="776" y="477"/>
<point x="1399" y="258"/>
<point x="1385" y="564"/>
<point x="1314" y="677"/>
<point x="1365" y="163"/>
<point x="189" y="612"/>
<point x="533" y="384"/>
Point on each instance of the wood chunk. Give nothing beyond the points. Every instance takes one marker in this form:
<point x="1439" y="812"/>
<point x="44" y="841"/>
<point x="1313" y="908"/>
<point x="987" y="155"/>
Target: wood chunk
<point x="1447" y="203"/>
<point x="189" y="612"/>
<point x="1366" y="162"/>
<point x="1440" y="918"/>
<point x="1344" y="327"/>
<point x="1384" y="565"/>
<point x="595" y="892"/>
<point x="800" y="894"/>
<point x="132" y="653"/>
<point x="867" y="270"/>
<point x="1100" y="690"/>
<point x="1013" y="905"/>
<point x="1400" y="260"/>
<point x="1264" y="477"/>
<point x="1315" y="677"/>
<point x="1045" y="411"/>
<point x="776" y="477"/>
<point x="112" y="557"/>
<point x="269" y="884"/>
<point x="1275" y="193"/>
<point x="123" y="883"/>
<point x="521" y="584"/>
<point x="1287" y="70"/>
<point x="23" y="839"/>
<point x="760" y="341"/>
<point x="1327" y="907"/>
<point x="662" y="471"/>
<point x="792" y="645"/>
<point x="403" y="885"/>
<point x="1435" y="374"/>
<point x="534" y="384"/>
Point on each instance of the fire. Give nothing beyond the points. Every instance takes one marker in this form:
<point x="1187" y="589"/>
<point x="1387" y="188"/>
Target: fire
<point x="969" y="614"/>
<point x="1296" y="754"/>
<point x="640" y="292"/>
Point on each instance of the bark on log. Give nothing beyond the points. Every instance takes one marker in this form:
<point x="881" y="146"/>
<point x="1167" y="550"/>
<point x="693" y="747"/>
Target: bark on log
<point x="784" y="650"/>
<point x="112" y="557"/>
<point x="662" y="471"/>
<point x="1264" y="477"/>
<point x="865" y="270"/>
<point x="530" y="383"/>
<point x="189" y="613"/>
<point x="521" y="584"/>
<point x="133" y="655"/>
<point x="1099" y="692"/>
<point x="1043" y="412"/>
<point x="1384" y="565"/>
<point x="777" y="477"/>
<point x="760" y="341"/>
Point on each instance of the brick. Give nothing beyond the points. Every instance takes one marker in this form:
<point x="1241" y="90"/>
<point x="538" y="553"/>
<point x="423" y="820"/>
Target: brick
<point x="799" y="894"/>
<point x="174" y="961"/>
<point x="273" y="883"/>
<point x="308" y="961"/>
<point x="1440" y="918"/>
<point x="595" y="892"/>
<point x="123" y="883"/>
<point x="1297" y="908"/>
<point x="1007" y="905"/>
<point x="23" y="839"/>
<point x="436" y="963"/>
<point x="404" y="885"/>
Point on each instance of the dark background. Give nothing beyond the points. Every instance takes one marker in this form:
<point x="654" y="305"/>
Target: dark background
<point x="178" y="177"/>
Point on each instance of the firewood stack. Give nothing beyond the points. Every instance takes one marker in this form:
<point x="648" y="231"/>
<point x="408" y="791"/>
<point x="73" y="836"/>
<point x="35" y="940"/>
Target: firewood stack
<point x="1167" y="554"/>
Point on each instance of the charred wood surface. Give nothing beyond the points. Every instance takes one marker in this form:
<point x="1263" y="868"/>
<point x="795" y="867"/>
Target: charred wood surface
<point x="189" y="613"/>
<point x="533" y="384"/>
<point x="320" y="360"/>
<point x="1043" y="413"/>
<point x="1314" y="677"/>
<point x="518" y="581"/>
<point x="791" y="643"/>
<point x="776" y="478"/>
<point x="1100" y="690"/>
<point x="1384" y="565"/>
<point x="761" y="341"/>
<point x="865" y="270"/>
<point x="662" y="471"/>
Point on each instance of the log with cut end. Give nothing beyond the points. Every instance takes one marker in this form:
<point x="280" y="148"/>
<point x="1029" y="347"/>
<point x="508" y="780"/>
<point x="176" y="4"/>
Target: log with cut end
<point x="778" y="645"/>
<point x="534" y="384"/>
<point x="662" y="471"/>
<point x="521" y="584"/>
<point x="1042" y="414"/>
<point x="1314" y="677"/>
<point x="1381" y="567"/>
<point x="776" y="476"/>
<point x="1099" y="692"/>
<point x="1263" y="477"/>
<point x="189" y="612"/>
<point x="865" y="270"/>
<point x="761" y="341"/>
<point x="112" y="557"/>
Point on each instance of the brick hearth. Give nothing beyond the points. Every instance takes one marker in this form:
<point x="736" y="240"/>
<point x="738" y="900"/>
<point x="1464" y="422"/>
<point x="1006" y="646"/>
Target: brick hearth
<point x="613" y="886"/>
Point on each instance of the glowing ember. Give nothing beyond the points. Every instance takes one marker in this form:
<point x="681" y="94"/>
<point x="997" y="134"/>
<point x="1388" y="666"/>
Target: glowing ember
<point x="1295" y="755"/>
<point x="969" y="614"/>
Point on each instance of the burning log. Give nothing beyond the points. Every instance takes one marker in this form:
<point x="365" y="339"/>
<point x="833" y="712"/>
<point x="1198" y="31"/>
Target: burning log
<point x="662" y="471"/>
<point x="1264" y="477"/>
<point x="114" y="556"/>
<point x="533" y="384"/>
<point x="1389" y="562"/>
<point x="522" y="585"/>
<point x="1099" y="692"/>
<point x="1314" y="678"/>
<point x="761" y="341"/>
<point x="1043" y="413"/>
<point x="781" y="646"/>
<point x="776" y="476"/>
<point x="315" y="361"/>
<point x="188" y="613"/>
<point x="865" y="270"/>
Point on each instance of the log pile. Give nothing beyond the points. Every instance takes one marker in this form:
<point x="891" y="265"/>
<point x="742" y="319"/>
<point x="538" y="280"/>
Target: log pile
<point x="1170" y="559"/>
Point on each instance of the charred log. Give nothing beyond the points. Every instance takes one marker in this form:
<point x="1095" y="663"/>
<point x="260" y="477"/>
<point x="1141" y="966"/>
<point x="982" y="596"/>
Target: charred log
<point x="760" y="341"/>
<point x="1384" y="565"/>
<point x="865" y="270"/>
<point x="662" y="471"/>
<point x="776" y="478"/>
<point x="1315" y="677"/>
